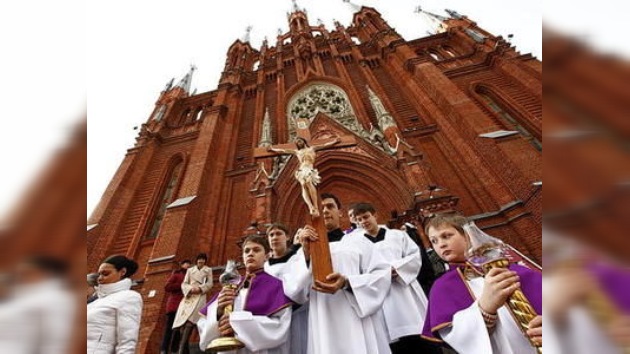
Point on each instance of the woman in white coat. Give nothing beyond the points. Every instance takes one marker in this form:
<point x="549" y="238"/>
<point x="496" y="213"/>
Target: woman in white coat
<point x="113" y="320"/>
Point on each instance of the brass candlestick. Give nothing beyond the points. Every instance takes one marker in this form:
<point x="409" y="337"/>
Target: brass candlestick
<point x="230" y="280"/>
<point x="604" y="311"/>
<point x="487" y="252"/>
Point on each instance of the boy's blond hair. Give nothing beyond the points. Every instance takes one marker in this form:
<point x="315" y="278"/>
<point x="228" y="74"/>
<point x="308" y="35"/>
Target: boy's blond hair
<point x="456" y="221"/>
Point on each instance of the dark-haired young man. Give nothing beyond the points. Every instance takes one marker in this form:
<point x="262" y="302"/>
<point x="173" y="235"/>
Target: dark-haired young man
<point x="405" y="306"/>
<point x="343" y="312"/>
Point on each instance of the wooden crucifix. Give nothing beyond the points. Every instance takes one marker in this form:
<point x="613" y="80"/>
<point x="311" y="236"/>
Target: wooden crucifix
<point x="308" y="176"/>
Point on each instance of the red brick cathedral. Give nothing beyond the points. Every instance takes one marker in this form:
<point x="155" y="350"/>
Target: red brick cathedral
<point x="448" y="122"/>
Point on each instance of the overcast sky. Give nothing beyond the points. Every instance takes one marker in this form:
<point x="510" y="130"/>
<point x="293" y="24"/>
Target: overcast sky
<point x="134" y="47"/>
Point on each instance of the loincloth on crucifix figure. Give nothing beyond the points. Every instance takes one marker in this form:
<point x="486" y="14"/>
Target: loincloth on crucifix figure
<point x="306" y="174"/>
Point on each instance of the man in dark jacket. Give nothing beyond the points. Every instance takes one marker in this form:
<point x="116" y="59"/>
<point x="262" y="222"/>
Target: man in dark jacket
<point x="173" y="288"/>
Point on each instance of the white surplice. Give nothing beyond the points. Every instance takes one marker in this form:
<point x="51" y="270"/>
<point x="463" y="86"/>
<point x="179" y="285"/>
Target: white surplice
<point x="347" y="321"/>
<point x="468" y="333"/>
<point x="260" y="334"/>
<point x="405" y="306"/>
<point x="298" y="334"/>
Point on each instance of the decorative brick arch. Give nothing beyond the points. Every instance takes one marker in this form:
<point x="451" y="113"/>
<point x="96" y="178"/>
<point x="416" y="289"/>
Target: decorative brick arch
<point x="353" y="178"/>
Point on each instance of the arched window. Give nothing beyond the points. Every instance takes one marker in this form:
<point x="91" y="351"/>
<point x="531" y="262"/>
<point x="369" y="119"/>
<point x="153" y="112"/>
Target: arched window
<point x="508" y="119"/>
<point x="184" y="117"/>
<point x="322" y="97"/>
<point x="199" y="114"/>
<point x="166" y="198"/>
<point x="450" y="51"/>
<point x="435" y="55"/>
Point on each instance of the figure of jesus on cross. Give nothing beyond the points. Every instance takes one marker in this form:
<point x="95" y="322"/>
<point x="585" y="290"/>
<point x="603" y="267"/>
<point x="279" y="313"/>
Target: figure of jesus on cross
<point x="308" y="177"/>
<point x="306" y="173"/>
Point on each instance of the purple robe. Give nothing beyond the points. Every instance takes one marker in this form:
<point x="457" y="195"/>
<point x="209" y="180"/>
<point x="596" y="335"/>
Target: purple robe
<point x="265" y="296"/>
<point x="450" y="294"/>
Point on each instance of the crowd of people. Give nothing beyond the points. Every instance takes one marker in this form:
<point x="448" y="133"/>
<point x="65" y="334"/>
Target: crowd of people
<point x="384" y="295"/>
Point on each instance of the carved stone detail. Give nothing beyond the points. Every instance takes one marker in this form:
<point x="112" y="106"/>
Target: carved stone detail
<point x="265" y="135"/>
<point x="333" y="101"/>
<point x="325" y="98"/>
<point x="385" y="120"/>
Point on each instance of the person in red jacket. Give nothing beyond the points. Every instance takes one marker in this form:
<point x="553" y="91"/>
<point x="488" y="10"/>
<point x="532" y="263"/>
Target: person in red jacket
<point x="173" y="288"/>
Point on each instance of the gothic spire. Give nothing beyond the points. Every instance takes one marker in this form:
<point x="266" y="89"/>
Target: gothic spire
<point x="437" y="22"/>
<point x="298" y="20"/>
<point x="265" y="133"/>
<point x="265" y="44"/>
<point x="430" y="14"/>
<point x="184" y="83"/>
<point x="246" y="36"/>
<point x="476" y="36"/>
<point x="169" y="84"/>
<point x="295" y="6"/>
<point x="454" y="14"/>
<point x="354" y="7"/>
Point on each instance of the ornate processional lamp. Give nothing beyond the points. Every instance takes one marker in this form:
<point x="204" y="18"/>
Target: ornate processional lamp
<point x="487" y="252"/>
<point x="230" y="279"/>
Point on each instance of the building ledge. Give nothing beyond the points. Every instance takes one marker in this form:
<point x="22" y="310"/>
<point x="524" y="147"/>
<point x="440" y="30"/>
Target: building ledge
<point x="181" y="201"/>
<point x="498" y="134"/>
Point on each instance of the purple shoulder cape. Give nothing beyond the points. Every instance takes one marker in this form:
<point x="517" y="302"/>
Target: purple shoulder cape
<point x="265" y="296"/>
<point x="614" y="281"/>
<point x="450" y="295"/>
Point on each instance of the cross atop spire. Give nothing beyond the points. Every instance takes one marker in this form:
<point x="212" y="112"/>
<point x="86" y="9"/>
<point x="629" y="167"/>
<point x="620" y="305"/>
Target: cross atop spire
<point x="184" y="83"/>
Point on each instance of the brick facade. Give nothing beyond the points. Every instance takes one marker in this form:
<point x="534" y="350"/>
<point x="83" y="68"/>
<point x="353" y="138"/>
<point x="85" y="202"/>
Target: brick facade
<point x="435" y="90"/>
